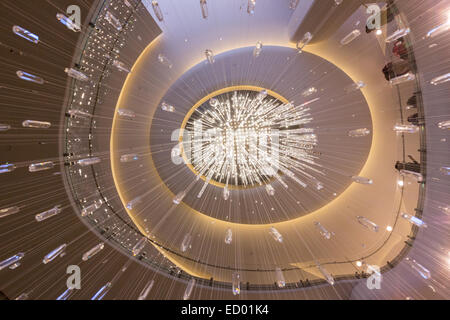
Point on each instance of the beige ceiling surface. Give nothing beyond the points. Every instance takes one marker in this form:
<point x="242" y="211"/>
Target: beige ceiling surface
<point x="253" y="247"/>
<point x="338" y="156"/>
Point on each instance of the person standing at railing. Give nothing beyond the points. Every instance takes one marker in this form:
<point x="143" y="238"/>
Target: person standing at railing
<point x="399" y="50"/>
<point x="413" y="166"/>
<point x="395" y="69"/>
<point x="412" y="102"/>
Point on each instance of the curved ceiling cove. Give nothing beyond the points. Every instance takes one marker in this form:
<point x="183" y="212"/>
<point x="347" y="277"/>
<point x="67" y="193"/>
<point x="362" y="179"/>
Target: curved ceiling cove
<point x="226" y="149"/>
<point x="312" y="146"/>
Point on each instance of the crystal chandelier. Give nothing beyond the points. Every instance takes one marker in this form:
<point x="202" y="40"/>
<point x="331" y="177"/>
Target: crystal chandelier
<point x="246" y="138"/>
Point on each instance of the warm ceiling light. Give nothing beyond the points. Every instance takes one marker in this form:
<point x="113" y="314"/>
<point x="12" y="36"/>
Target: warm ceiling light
<point x="389" y="228"/>
<point x="247" y="138"/>
<point x="358" y="264"/>
<point x="400" y="183"/>
<point x="379" y="32"/>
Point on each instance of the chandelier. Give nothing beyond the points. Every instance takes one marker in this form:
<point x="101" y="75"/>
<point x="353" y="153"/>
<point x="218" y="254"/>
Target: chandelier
<point x="246" y="138"/>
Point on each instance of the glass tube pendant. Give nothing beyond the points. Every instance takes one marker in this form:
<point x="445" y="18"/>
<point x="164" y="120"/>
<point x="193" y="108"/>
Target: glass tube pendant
<point x="29" y="77"/>
<point x="27" y="35"/>
<point x="204" y="8"/>
<point x="36" y="124"/>
<point x="36" y="167"/>
<point x="157" y="10"/>
<point x="68" y="22"/>
<point x="304" y="42"/>
<point x="236" y="283"/>
<point x="372" y="226"/>
<point x="9" y="211"/>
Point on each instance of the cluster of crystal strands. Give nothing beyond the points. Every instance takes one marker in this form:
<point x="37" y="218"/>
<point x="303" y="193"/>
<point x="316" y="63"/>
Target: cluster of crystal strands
<point x="246" y="138"/>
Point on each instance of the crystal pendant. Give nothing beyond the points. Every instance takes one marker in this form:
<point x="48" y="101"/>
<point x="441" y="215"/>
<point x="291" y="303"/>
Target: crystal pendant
<point x="36" y="167"/>
<point x="148" y="287"/>
<point x="372" y="226"/>
<point x="189" y="289"/>
<point x="186" y="244"/>
<point x="27" y="35"/>
<point x="209" y="56"/>
<point x="8" y="211"/>
<point x="304" y="42"/>
<point x="157" y="10"/>
<point x="236" y="283"/>
<point x="281" y="282"/>
<point x="251" y="7"/>
<point x="92" y="252"/>
<point x="68" y="23"/>
<point x="204" y="8"/>
<point x="102" y="292"/>
<point x="139" y="246"/>
<point x="55" y="253"/>
<point x="350" y="37"/>
<point x="362" y="180"/>
<point x="397" y="35"/>
<point x="326" y="274"/>
<point x="229" y="236"/>
<point x="11" y="260"/>
<point x="276" y="234"/>
<point x="258" y="49"/>
<point x="324" y="232"/>
<point x="414" y="220"/>
<point x="48" y="214"/>
<point x="421" y="270"/>
<point x="359" y="133"/>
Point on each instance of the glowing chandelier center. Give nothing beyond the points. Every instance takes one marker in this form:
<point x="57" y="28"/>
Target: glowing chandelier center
<point x="247" y="138"/>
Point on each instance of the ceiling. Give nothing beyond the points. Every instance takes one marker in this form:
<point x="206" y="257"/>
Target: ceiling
<point x="231" y="33"/>
<point x="208" y="219"/>
<point x="340" y="155"/>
